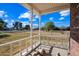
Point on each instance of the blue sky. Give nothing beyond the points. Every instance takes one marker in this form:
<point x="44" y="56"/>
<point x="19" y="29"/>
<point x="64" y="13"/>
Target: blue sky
<point x="16" y="12"/>
<point x="60" y="18"/>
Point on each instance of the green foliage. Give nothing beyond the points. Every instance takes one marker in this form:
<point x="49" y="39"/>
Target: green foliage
<point x="4" y="35"/>
<point x="43" y="28"/>
<point x="27" y="27"/>
<point x="1" y="24"/>
<point x="49" y="26"/>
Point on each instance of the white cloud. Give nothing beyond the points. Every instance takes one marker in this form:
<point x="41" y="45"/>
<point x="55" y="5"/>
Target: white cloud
<point x="42" y="23"/>
<point x="36" y="16"/>
<point x="51" y="18"/>
<point x="34" y="19"/>
<point x="25" y="23"/>
<point x="35" y="25"/>
<point x="65" y="13"/>
<point x="6" y="20"/>
<point x="2" y="13"/>
<point x="61" y="18"/>
<point x="12" y="20"/>
<point x="25" y="15"/>
<point x="5" y="15"/>
<point x="57" y="22"/>
<point x="10" y="24"/>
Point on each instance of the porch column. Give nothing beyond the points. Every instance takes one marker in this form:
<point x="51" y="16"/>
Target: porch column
<point x="31" y="30"/>
<point x="39" y="28"/>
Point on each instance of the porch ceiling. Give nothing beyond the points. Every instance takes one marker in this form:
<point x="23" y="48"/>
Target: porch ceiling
<point x="47" y="7"/>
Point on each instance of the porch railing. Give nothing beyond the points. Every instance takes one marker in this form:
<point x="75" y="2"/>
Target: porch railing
<point x="21" y="46"/>
<point x="60" y="40"/>
<point x="24" y="46"/>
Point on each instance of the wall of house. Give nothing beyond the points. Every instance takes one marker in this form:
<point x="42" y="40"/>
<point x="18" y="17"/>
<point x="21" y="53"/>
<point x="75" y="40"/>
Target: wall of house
<point x="74" y="40"/>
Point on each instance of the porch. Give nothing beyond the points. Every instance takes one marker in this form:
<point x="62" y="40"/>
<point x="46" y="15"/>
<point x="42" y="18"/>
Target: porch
<point x="53" y="43"/>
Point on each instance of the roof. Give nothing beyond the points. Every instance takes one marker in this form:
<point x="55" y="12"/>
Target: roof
<point x="43" y="8"/>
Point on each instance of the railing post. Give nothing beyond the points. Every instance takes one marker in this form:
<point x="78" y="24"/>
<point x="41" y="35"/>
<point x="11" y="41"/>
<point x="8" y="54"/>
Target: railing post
<point x="11" y="49"/>
<point x="20" y="46"/>
<point x="26" y="48"/>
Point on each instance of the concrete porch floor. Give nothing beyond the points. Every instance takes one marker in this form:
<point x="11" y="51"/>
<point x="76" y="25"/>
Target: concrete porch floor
<point x="54" y="51"/>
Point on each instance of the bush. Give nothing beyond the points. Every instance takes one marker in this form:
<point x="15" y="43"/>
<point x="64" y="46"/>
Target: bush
<point x="4" y="35"/>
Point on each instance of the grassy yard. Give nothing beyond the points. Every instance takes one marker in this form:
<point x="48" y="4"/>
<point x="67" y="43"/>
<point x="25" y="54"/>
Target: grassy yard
<point x="16" y="47"/>
<point x="56" y="38"/>
<point x="13" y="36"/>
<point x="51" y="38"/>
<point x="7" y="37"/>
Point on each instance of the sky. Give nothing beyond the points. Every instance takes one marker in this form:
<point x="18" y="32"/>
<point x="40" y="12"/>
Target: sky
<point x="12" y="12"/>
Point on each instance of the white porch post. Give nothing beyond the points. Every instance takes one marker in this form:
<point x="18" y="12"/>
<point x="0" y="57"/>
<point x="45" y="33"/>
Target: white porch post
<point x="39" y="28"/>
<point x="31" y="30"/>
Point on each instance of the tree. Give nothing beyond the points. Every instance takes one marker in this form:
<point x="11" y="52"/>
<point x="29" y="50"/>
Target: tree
<point x="20" y="26"/>
<point x="5" y="26"/>
<point x="27" y="27"/>
<point x="17" y="25"/>
<point x="42" y="28"/>
<point x="49" y="26"/>
<point x="56" y="28"/>
<point x="68" y="28"/>
<point x="1" y="24"/>
<point x="62" y="28"/>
